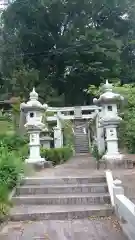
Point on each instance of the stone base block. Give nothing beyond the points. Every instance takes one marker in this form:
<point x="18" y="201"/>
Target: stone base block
<point x="38" y="161"/>
<point x="38" y="164"/>
<point x="48" y="164"/>
<point x="114" y="157"/>
<point x="116" y="164"/>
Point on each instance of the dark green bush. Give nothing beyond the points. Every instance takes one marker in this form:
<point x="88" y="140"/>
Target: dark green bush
<point x="10" y="167"/>
<point x="13" y="150"/>
<point x="22" y="152"/>
<point x="66" y="153"/>
<point x="12" y="142"/>
<point x="95" y="152"/>
<point x="4" y="201"/>
<point x="57" y="155"/>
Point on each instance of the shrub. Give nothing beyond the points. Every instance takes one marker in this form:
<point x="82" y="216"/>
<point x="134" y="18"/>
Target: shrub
<point x="4" y="201"/>
<point x="95" y="152"/>
<point x="57" y="155"/>
<point x="12" y="142"/>
<point x="67" y="153"/>
<point x="22" y="152"/>
<point x="10" y="167"/>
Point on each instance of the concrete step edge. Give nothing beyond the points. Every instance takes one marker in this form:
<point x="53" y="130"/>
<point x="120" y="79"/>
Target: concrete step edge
<point x="32" y="212"/>
<point x="61" y="196"/>
<point x="94" y="185"/>
<point x="63" y="180"/>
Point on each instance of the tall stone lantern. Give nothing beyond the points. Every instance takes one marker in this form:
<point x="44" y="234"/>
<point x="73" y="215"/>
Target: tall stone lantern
<point x="110" y="120"/>
<point x="34" y="112"/>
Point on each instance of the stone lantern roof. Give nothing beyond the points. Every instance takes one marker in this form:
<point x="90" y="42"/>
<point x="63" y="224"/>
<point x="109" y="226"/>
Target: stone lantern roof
<point x="33" y="103"/>
<point x="108" y="96"/>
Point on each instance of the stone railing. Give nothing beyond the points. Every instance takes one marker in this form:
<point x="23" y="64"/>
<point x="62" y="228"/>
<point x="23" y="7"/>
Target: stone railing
<point x="109" y="179"/>
<point x="124" y="208"/>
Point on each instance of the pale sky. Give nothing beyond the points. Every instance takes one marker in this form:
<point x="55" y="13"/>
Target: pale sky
<point x="3" y="3"/>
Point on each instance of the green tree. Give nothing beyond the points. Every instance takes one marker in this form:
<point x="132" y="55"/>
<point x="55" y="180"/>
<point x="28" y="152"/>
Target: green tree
<point x="71" y="44"/>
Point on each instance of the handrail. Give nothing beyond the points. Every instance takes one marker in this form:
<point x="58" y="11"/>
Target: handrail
<point x="109" y="179"/>
<point x="128" y="206"/>
<point x="124" y="208"/>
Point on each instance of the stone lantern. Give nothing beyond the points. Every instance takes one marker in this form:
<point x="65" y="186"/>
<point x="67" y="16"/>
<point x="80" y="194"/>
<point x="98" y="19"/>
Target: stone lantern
<point x="33" y="110"/>
<point x="110" y="120"/>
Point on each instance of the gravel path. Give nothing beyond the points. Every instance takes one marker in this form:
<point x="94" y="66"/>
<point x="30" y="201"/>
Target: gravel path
<point x="103" y="229"/>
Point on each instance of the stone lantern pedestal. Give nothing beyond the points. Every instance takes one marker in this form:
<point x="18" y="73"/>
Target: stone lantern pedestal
<point x="34" y="129"/>
<point x="112" y="154"/>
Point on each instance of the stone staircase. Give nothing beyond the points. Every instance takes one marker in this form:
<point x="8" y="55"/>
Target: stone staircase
<point x="61" y="199"/>
<point x="81" y="138"/>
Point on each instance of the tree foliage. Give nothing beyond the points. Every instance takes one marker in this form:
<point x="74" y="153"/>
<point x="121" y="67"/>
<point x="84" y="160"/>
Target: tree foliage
<point x="65" y="46"/>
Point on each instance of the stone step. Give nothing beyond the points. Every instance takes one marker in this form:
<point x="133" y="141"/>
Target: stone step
<point x="58" y="212"/>
<point x="63" y="180"/>
<point x="79" y="130"/>
<point x="81" y="151"/>
<point x="80" y="135"/>
<point x="79" y="138"/>
<point x="81" y="147"/>
<point x="84" y="145"/>
<point x="63" y="199"/>
<point x="82" y="155"/>
<point x="81" y="144"/>
<point x="79" y="126"/>
<point x="66" y="188"/>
